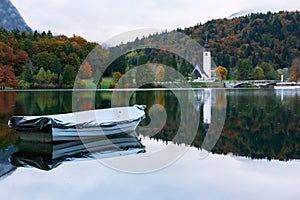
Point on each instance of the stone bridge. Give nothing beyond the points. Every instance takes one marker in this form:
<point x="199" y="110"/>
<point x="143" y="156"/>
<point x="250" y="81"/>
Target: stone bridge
<point x="257" y="83"/>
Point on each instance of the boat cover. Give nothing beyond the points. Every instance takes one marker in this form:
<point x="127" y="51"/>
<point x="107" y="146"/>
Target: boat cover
<point x="79" y="120"/>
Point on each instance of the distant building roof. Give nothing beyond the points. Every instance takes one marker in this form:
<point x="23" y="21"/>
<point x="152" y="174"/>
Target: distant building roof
<point x="199" y="73"/>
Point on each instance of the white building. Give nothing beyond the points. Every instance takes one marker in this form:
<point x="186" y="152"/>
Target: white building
<point x="205" y="73"/>
<point x="207" y="61"/>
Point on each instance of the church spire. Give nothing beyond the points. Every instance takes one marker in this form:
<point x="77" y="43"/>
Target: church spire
<point x="206" y="45"/>
<point x="207" y="60"/>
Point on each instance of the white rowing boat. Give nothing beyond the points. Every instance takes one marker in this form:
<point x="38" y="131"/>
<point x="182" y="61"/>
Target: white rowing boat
<point x="85" y="124"/>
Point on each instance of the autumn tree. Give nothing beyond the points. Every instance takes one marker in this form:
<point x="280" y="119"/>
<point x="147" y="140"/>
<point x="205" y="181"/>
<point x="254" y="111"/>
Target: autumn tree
<point x="21" y="58"/>
<point x="86" y="71"/>
<point x="160" y="74"/>
<point x="7" y="56"/>
<point x="116" y="77"/>
<point x="7" y="77"/>
<point x="221" y="72"/>
<point x="295" y="71"/>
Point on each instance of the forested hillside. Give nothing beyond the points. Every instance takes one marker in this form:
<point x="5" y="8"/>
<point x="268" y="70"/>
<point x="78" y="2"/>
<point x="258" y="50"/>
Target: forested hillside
<point x="40" y="60"/>
<point x="257" y="39"/>
<point x="256" y="46"/>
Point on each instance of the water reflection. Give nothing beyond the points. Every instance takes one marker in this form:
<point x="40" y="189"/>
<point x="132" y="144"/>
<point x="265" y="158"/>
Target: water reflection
<point x="288" y="93"/>
<point x="6" y="168"/>
<point x="46" y="156"/>
<point x="213" y="105"/>
<point x="259" y="123"/>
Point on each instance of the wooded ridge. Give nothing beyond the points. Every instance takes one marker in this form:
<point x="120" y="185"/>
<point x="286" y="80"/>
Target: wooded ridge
<point x="256" y="46"/>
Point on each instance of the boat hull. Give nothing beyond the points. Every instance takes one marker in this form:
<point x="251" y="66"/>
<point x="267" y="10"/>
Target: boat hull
<point x="85" y="133"/>
<point x="79" y="125"/>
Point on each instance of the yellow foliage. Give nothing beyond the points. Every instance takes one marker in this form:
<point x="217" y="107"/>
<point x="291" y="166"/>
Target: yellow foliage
<point x="221" y="72"/>
<point x="160" y="74"/>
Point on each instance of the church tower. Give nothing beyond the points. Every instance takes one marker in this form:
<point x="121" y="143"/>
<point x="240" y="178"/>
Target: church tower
<point x="207" y="60"/>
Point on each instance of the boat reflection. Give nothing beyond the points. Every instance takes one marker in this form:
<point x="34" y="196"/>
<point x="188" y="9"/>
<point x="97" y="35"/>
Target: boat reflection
<point x="47" y="156"/>
<point x="6" y="168"/>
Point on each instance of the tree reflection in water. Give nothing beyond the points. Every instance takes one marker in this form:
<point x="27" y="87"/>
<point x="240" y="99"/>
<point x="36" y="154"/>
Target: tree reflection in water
<point x="259" y="123"/>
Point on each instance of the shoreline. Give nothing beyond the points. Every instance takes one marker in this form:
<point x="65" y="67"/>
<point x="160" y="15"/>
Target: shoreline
<point x="147" y="89"/>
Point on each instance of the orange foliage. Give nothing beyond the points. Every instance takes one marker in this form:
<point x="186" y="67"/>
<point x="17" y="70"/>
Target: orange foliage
<point x="87" y="104"/>
<point x="7" y="77"/>
<point x="221" y="72"/>
<point x="6" y="54"/>
<point x="80" y="40"/>
<point x="21" y="58"/>
<point x="7" y="102"/>
<point x="87" y="70"/>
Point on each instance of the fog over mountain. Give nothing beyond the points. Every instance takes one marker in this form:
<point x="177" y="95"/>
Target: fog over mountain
<point x="10" y="18"/>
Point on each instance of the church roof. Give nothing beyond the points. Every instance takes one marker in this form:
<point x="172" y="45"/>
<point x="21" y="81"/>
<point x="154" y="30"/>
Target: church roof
<point x="206" y="45"/>
<point x="200" y="71"/>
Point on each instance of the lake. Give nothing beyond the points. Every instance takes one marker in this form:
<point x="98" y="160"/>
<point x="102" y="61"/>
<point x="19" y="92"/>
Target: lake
<point x="193" y="144"/>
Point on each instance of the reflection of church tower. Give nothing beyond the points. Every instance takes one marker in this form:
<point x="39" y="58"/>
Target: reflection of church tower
<point x="207" y="60"/>
<point x="207" y="108"/>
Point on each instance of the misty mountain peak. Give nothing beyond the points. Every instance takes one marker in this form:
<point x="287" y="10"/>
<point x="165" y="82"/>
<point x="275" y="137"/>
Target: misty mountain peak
<point x="10" y="18"/>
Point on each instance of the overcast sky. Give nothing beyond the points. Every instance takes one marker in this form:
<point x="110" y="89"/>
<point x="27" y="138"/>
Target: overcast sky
<point x="99" y="20"/>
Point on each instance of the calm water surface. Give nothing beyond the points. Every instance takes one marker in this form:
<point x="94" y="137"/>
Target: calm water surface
<point x="253" y="135"/>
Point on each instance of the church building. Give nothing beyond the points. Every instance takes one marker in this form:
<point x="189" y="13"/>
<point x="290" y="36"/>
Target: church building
<point x="204" y="73"/>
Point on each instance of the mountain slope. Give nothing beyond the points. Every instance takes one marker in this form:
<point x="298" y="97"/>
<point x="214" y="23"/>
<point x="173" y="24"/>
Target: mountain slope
<point x="263" y="46"/>
<point x="10" y="17"/>
<point x="272" y="37"/>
